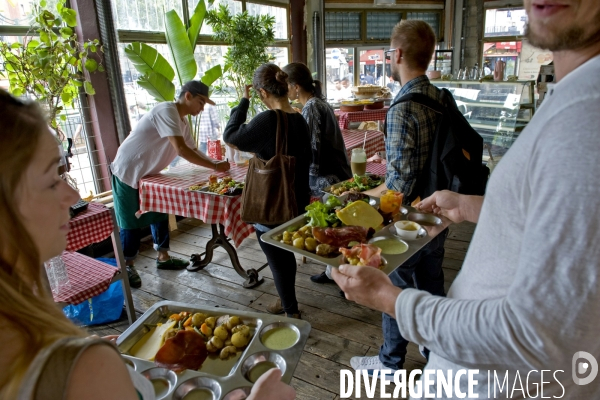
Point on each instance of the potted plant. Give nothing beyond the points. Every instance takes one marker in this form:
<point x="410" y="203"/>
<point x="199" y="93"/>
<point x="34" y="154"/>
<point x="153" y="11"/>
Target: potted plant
<point x="248" y="38"/>
<point x="49" y="63"/>
<point x="157" y="73"/>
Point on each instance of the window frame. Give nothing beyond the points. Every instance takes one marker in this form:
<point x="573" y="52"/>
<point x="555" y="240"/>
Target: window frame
<point x="363" y="24"/>
<point x="498" y="39"/>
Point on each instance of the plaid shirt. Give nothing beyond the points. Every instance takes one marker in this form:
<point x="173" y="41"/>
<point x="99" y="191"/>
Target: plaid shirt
<point x="410" y="129"/>
<point x="209" y="124"/>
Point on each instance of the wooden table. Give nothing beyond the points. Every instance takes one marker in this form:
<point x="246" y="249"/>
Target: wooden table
<point x="344" y="117"/>
<point x="168" y="193"/>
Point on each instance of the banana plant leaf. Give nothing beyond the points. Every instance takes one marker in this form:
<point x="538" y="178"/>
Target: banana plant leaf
<point x="158" y="86"/>
<point x="212" y="75"/>
<point x="196" y="21"/>
<point x="146" y="59"/>
<point x="181" y="49"/>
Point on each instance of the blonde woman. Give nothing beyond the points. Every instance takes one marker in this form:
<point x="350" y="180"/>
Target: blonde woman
<point x="43" y="355"/>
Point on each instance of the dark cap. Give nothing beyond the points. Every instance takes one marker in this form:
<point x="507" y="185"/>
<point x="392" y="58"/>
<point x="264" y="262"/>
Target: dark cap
<point x="196" y="88"/>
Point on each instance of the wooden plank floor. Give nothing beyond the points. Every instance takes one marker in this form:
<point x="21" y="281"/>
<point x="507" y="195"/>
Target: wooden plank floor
<point x="340" y="329"/>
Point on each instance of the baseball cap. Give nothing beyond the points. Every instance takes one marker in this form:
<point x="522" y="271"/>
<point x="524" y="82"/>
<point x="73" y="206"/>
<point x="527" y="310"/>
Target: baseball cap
<point x="196" y="88"/>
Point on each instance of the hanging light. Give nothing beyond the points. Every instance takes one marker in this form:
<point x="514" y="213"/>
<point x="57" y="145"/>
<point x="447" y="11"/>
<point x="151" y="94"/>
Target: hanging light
<point x="384" y="2"/>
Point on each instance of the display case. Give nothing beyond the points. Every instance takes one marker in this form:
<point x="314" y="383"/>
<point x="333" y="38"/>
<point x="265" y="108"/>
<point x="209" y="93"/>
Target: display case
<point x="443" y="61"/>
<point x="498" y="111"/>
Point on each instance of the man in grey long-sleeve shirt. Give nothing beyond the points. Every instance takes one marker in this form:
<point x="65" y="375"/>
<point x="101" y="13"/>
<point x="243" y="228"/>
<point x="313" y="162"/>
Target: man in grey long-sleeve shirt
<point x="528" y="294"/>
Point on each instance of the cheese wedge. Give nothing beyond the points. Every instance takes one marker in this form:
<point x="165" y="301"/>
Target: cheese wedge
<point x="360" y="213"/>
<point x="152" y="341"/>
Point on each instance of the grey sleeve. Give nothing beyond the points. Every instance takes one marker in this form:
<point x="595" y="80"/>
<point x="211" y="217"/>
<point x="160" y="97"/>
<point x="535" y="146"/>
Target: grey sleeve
<point x="551" y="309"/>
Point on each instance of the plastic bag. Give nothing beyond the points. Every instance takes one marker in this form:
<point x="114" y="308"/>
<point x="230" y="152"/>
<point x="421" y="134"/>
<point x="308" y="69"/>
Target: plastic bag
<point x="101" y="309"/>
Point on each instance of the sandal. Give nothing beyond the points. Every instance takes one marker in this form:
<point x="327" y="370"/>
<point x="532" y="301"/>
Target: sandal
<point x="275" y="308"/>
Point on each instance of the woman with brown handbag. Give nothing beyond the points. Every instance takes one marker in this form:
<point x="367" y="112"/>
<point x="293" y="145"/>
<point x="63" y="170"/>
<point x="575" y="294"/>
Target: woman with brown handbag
<point x="267" y="137"/>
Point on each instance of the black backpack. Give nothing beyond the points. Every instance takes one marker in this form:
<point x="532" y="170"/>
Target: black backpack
<point x="454" y="162"/>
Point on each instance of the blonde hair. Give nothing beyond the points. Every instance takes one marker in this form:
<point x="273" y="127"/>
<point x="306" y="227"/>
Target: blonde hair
<point x="25" y="303"/>
<point x="417" y="40"/>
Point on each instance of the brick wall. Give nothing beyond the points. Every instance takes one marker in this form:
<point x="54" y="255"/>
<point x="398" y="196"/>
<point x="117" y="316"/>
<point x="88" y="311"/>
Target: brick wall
<point x="473" y="21"/>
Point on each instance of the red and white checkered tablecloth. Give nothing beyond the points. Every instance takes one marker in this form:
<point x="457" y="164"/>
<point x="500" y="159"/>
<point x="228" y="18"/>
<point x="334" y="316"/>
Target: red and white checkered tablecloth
<point x="376" y="168"/>
<point x="87" y="278"/>
<point x="168" y="193"/>
<point x="90" y="226"/>
<point x="354" y="139"/>
<point x="359" y="116"/>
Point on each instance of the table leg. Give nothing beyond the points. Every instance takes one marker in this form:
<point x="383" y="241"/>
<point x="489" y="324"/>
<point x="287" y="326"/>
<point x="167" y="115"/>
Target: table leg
<point x="219" y="238"/>
<point x="120" y="258"/>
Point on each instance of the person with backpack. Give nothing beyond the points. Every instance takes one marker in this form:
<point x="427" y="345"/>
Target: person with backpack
<point x="410" y="130"/>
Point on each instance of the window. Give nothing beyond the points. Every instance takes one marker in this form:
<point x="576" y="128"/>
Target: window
<point x="339" y="64"/>
<point x="234" y="5"/>
<point x="379" y="25"/>
<point x="505" y="22"/>
<point x="143" y="15"/>
<point x="280" y="14"/>
<point x="342" y="26"/>
<point x="432" y="18"/>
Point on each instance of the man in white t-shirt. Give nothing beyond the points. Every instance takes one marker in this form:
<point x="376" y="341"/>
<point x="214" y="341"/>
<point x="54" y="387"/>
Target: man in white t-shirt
<point x="522" y="316"/>
<point x="161" y="135"/>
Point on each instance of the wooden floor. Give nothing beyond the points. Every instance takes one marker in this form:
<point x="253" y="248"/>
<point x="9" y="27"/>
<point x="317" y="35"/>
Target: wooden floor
<point x="340" y="329"/>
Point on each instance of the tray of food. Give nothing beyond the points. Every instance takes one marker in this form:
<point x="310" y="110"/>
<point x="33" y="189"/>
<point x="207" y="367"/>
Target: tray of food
<point x="225" y="186"/>
<point x="355" y="184"/>
<point x="191" y="352"/>
<point x="350" y="230"/>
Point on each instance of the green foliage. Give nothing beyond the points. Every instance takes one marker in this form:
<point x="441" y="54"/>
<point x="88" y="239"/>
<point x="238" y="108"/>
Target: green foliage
<point x="248" y="37"/>
<point x="49" y="64"/>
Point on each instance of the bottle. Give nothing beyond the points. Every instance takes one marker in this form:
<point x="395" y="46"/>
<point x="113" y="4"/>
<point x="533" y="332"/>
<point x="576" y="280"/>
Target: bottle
<point x="358" y="161"/>
<point x="57" y="275"/>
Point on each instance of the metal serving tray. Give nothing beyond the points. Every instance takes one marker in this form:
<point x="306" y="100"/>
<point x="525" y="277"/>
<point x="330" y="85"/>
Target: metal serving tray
<point x="328" y="189"/>
<point x="435" y="225"/>
<point x="225" y="379"/>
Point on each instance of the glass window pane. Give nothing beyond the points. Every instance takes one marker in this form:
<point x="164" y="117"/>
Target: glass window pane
<point x="374" y="69"/>
<point x="339" y="64"/>
<point x="142" y="15"/>
<point x="432" y="18"/>
<point x="18" y="12"/>
<point x="342" y="26"/>
<point x="505" y="22"/>
<point x="509" y="52"/>
<point x="280" y="14"/>
<point x="379" y="25"/>
<point x="234" y="5"/>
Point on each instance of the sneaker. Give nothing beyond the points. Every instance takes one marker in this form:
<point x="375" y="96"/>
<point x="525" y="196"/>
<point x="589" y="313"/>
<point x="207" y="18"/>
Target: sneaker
<point x="134" y="278"/>
<point x="275" y="308"/>
<point x="172" y="263"/>
<point x="367" y="363"/>
<point x="321" y="278"/>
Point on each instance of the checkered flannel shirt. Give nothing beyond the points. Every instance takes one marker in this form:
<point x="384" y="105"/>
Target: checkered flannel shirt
<point x="209" y="124"/>
<point x="410" y="129"/>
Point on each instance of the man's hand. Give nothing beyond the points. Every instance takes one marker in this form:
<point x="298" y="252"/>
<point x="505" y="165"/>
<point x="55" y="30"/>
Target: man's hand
<point x="270" y="387"/>
<point x="247" y="91"/>
<point x="222" y="166"/>
<point x="456" y="207"/>
<point x="367" y="286"/>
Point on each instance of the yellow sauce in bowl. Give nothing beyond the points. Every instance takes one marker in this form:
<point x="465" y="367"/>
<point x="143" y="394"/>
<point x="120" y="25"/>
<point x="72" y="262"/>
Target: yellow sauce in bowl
<point x="280" y="338"/>
<point x="391" y="246"/>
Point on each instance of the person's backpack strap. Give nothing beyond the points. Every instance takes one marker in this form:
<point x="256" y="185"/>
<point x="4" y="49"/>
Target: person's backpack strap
<point x="420" y="98"/>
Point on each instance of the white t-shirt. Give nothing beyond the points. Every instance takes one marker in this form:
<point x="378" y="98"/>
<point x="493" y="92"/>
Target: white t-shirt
<point x="147" y="149"/>
<point x="528" y="295"/>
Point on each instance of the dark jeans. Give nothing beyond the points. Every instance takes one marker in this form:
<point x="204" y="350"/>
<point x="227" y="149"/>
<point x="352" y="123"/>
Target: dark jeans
<point x="283" y="266"/>
<point x="130" y="239"/>
<point x="424" y="272"/>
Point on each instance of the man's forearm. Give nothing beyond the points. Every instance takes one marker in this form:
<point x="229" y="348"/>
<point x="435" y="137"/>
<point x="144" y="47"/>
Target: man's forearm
<point x="196" y="157"/>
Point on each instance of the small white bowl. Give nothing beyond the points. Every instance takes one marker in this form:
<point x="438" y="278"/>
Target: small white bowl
<point x="407" y="229"/>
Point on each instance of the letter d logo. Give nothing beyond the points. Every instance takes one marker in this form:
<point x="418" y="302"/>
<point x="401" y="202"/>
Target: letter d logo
<point x="581" y="367"/>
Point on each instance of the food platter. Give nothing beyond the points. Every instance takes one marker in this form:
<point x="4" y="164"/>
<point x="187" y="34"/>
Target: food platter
<point x="391" y="261"/>
<point x="329" y="190"/>
<point x="222" y="187"/>
<point x="216" y="379"/>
